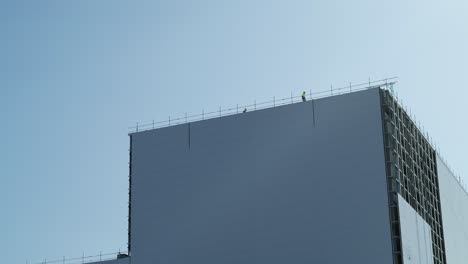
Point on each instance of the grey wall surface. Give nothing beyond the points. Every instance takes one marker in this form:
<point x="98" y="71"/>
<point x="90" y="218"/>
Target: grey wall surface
<point x="416" y="239"/>
<point x="302" y="183"/>
<point x="454" y="203"/>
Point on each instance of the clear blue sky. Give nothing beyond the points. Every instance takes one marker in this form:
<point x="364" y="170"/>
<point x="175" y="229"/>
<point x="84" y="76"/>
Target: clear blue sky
<point x="75" y="74"/>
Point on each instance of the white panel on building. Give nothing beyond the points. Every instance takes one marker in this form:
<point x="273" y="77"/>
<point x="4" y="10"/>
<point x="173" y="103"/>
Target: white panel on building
<point x="415" y="236"/>
<point x="454" y="203"/>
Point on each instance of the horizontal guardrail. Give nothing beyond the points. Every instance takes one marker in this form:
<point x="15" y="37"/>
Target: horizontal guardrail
<point x="83" y="259"/>
<point x="383" y="83"/>
<point x="386" y="84"/>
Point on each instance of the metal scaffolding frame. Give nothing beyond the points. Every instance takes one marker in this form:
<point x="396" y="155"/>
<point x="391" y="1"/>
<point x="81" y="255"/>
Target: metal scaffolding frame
<point x="411" y="169"/>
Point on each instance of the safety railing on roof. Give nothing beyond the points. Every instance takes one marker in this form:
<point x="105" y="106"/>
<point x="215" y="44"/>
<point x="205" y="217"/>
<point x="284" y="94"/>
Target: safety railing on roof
<point x="84" y="259"/>
<point x="386" y="84"/>
<point x="383" y="83"/>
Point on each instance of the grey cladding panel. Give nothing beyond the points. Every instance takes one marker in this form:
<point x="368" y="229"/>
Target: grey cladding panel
<point x="265" y="187"/>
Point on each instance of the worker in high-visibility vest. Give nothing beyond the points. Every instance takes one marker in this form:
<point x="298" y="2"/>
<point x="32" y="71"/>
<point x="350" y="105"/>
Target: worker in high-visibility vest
<point x="303" y="96"/>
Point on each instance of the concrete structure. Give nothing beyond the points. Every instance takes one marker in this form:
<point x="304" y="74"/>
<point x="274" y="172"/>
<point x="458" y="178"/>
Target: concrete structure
<point x="343" y="179"/>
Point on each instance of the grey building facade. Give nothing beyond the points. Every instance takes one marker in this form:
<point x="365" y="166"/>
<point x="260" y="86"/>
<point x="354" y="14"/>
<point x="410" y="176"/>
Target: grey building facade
<point x="343" y="179"/>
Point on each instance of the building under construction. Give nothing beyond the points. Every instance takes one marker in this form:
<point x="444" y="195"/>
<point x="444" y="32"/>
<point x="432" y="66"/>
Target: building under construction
<point x="348" y="178"/>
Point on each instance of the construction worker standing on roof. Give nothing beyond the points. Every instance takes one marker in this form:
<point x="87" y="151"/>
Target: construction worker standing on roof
<point x="303" y="96"/>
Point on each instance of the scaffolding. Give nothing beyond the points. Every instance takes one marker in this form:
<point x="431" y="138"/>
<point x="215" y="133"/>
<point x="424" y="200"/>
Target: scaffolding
<point x="411" y="168"/>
